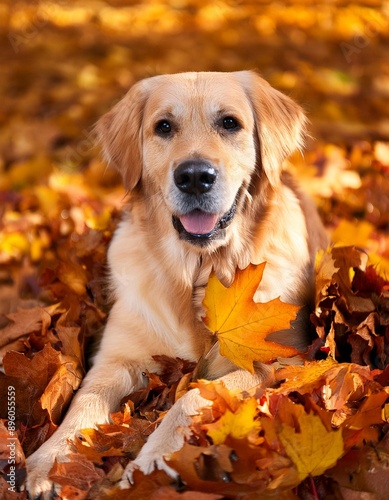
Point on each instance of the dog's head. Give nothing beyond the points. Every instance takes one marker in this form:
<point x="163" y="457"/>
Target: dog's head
<point x="201" y="141"/>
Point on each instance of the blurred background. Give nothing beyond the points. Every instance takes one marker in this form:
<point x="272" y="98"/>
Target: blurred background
<point x="65" y="62"/>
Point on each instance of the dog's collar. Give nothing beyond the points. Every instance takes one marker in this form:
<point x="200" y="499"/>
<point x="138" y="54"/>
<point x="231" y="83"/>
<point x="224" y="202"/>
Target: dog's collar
<point x="217" y="232"/>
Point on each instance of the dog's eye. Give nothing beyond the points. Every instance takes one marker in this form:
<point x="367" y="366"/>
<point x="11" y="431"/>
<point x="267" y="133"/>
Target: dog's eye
<point x="163" y="127"/>
<point x="230" y="123"/>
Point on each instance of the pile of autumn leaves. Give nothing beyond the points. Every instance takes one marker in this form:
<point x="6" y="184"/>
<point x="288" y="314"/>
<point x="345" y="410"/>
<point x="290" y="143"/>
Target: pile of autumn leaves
<point x="320" y="431"/>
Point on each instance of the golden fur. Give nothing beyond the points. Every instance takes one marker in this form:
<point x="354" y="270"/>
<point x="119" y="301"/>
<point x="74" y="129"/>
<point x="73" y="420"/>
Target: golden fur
<point x="159" y="267"/>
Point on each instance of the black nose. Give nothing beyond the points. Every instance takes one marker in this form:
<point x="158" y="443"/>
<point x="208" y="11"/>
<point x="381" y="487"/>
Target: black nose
<point x="195" y="177"/>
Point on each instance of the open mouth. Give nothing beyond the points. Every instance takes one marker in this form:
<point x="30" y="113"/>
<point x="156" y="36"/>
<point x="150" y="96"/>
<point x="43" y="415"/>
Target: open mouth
<point x="200" y="227"/>
<point x="198" y="222"/>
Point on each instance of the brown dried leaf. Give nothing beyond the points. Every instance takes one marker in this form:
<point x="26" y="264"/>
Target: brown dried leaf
<point x="23" y="323"/>
<point x="113" y="440"/>
<point x="173" y="369"/>
<point x="364" y="470"/>
<point x="78" y="472"/>
<point x="143" y="487"/>
<point x="6" y="494"/>
<point x="43" y="387"/>
<point x="59" y="391"/>
<point x="166" y="493"/>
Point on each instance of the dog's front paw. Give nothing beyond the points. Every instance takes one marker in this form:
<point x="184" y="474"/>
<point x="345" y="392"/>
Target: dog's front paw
<point x="38" y="483"/>
<point x="38" y="466"/>
<point x="146" y="463"/>
<point x="168" y="438"/>
<point x="41" y="488"/>
<point x="127" y="477"/>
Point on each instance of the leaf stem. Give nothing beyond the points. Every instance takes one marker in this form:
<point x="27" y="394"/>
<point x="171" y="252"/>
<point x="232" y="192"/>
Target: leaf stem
<point x="314" y="490"/>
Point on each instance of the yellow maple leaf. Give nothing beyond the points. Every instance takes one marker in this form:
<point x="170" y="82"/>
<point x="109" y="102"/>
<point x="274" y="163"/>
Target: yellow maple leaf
<point x="312" y="449"/>
<point x="242" y="325"/>
<point x="236" y="424"/>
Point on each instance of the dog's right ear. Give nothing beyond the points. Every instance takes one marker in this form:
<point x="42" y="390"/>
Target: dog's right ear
<point x="119" y="133"/>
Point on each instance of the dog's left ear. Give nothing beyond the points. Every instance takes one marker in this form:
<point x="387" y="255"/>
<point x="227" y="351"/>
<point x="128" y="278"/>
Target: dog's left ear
<point x="280" y="123"/>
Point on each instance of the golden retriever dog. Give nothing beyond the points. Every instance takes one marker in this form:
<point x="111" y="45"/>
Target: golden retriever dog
<point x="201" y="155"/>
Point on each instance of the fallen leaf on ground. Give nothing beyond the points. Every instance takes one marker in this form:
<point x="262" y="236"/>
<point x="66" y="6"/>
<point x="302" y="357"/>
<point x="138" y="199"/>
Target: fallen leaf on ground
<point x="312" y="448"/>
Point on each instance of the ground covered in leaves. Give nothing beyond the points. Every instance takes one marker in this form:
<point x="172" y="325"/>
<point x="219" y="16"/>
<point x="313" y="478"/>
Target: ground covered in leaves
<point x="322" y="431"/>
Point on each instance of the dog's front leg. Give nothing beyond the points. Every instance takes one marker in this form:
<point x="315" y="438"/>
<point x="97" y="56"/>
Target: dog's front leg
<point x="170" y="435"/>
<point x="167" y="438"/>
<point x="99" y="395"/>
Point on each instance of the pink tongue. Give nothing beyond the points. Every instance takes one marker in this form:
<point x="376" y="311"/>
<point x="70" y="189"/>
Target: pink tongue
<point x="198" y="222"/>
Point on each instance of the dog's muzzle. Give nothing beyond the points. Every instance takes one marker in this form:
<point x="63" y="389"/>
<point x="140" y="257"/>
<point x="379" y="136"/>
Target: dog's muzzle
<point x="195" y="179"/>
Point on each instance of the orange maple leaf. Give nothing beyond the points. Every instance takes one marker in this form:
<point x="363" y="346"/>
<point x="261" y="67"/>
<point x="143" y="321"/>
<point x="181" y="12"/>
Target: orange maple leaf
<point x="242" y="325"/>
